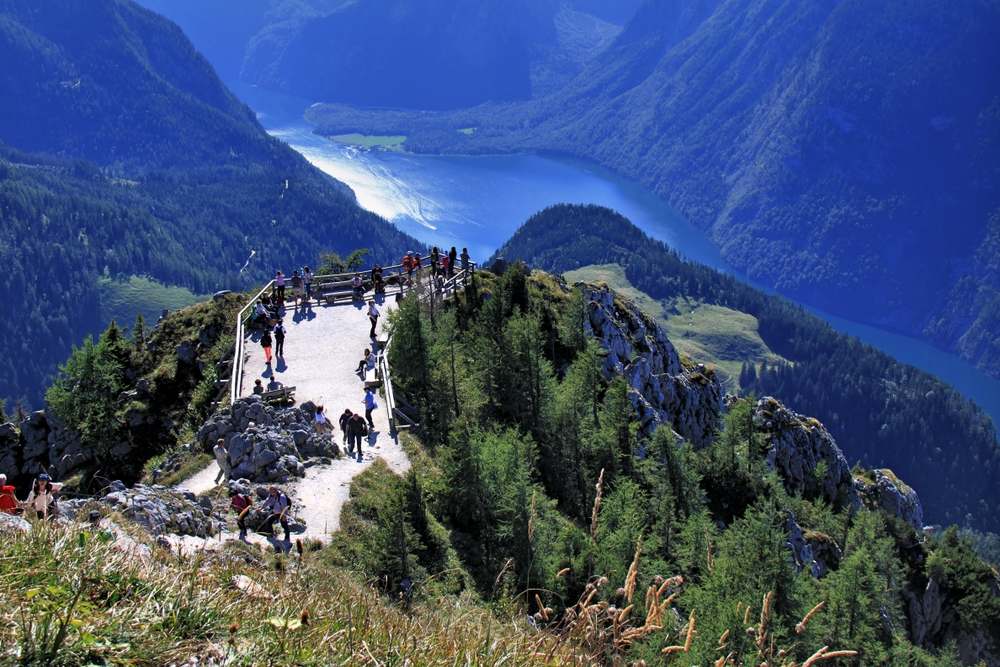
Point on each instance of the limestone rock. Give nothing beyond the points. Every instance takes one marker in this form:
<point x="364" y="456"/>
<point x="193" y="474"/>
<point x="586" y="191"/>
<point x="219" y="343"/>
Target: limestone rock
<point x="813" y="551"/>
<point x="161" y="510"/>
<point x="663" y="391"/>
<point x="10" y="449"/>
<point x="796" y="446"/>
<point x="10" y="524"/>
<point x="266" y="444"/>
<point x="889" y="493"/>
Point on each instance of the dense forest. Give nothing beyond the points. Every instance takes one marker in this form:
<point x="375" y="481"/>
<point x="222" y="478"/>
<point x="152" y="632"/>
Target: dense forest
<point x="531" y="485"/>
<point x="824" y="147"/>
<point x="882" y="413"/>
<point x="122" y="154"/>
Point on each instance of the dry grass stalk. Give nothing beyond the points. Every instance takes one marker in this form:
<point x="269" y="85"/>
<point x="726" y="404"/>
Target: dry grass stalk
<point x="597" y="506"/>
<point x="531" y="520"/>
<point x="800" y="628"/>
<point x="711" y="561"/>
<point x="691" y="632"/>
<point x="633" y="572"/>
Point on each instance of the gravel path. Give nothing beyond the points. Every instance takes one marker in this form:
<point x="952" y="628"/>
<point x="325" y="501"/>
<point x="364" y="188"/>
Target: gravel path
<point x="201" y="481"/>
<point x="323" y="345"/>
<point x="322" y="348"/>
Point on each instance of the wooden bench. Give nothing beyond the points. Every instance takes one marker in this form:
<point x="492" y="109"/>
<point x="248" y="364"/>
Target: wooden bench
<point x="373" y="379"/>
<point x="281" y="394"/>
<point x="341" y="290"/>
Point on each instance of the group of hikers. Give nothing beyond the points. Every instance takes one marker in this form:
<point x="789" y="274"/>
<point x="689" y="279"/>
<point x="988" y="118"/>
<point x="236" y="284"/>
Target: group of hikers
<point x="275" y="506"/>
<point x="443" y="265"/>
<point x="353" y="426"/>
<point x="41" y="502"/>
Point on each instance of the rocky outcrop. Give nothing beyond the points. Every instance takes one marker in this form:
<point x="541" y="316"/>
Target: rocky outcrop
<point x="266" y="444"/>
<point x="797" y="446"/>
<point x="41" y="443"/>
<point x="815" y="552"/>
<point x="157" y="509"/>
<point x="882" y="490"/>
<point x="663" y="390"/>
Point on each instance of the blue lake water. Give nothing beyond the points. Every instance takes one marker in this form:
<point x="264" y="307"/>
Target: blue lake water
<point x="478" y="203"/>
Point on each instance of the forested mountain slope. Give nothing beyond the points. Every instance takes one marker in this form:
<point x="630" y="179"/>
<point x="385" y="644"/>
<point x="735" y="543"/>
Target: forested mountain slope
<point x="844" y="153"/>
<point x="144" y="164"/>
<point x="881" y="412"/>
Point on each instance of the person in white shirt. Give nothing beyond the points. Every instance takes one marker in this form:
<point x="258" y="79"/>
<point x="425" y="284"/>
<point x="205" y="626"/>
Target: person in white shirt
<point x="373" y="315"/>
<point x="222" y="458"/>
<point x="41" y="501"/>
<point x="276" y="504"/>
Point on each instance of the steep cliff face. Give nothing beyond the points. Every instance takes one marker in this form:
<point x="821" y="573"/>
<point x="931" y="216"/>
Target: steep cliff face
<point x="663" y="391"/>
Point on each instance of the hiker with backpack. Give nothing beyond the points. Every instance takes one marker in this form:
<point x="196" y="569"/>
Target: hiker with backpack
<point x="240" y="504"/>
<point x="356" y="430"/>
<point x="279" y="338"/>
<point x="276" y="505"/>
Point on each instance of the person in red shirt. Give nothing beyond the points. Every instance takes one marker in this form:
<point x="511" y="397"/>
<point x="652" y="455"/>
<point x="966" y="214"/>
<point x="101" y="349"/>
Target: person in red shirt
<point x="8" y="501"/>
<point x="240" y="504"/>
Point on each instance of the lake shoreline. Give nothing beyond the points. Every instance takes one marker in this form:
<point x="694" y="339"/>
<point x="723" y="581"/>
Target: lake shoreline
<point x="454" y="205"/>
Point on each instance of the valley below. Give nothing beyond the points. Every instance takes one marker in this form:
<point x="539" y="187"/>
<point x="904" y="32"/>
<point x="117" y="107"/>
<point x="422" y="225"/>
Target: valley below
<point x="479" y="201"/>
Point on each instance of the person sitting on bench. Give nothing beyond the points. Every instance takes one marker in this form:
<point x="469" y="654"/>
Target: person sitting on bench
<point x="273" y="384"/>
<point x="359" y="286"/>
<point x="367" y="363"/>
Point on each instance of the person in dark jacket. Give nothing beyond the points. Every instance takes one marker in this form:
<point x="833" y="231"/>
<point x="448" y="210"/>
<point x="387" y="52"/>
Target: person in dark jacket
<point x="356" y="430"/>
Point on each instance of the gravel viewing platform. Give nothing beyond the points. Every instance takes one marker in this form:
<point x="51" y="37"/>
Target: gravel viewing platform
<point x="323" y="345"/>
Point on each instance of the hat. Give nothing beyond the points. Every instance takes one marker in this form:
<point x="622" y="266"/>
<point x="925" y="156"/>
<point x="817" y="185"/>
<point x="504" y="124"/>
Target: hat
<point x="409" y="252"/>
<point x="44" y="477"/>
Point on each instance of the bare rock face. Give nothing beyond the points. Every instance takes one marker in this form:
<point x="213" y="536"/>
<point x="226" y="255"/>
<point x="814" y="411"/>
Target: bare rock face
<point x="887" y="492"/>
<point x="10" y="449"/>
<point x="925" y="612"/>
<point x="41" y="444"/>
<point x="813" y="551"/>
<point x="663" y="391"/>
<point x="797" y="447"/>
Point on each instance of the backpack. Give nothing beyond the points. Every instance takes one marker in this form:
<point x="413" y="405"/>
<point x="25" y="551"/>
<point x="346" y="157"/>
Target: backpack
<point x="265" y="340"/>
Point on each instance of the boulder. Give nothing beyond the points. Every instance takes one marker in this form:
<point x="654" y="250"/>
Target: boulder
<point x="11" y="525"/>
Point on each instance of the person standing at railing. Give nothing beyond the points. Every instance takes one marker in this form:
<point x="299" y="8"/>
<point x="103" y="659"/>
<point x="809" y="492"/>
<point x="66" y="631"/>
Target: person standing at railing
<point x="418" y="266"/>
<point x="465" y="259"/>
<point x="408" y="266"/>
<point x="452" y="256"/>
<point x="435" y="260"/>
<point x="298" y="288"/>
<point x="279" y="288"/>
<point x="307" y="279"/>
<point x="378" y="282"/>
